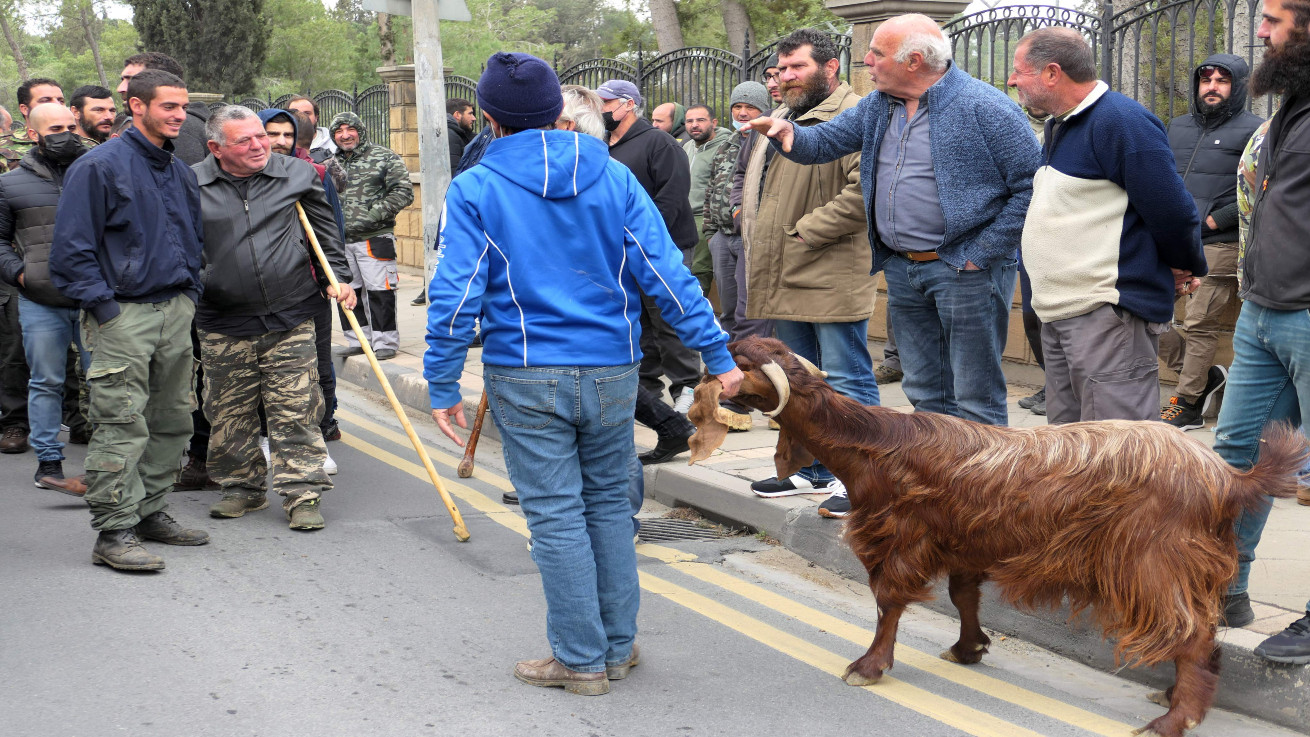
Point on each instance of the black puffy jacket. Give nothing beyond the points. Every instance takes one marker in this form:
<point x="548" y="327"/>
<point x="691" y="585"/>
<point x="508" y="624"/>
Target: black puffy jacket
<point x="28" y="197"/>
<point x="1207" y="148"/>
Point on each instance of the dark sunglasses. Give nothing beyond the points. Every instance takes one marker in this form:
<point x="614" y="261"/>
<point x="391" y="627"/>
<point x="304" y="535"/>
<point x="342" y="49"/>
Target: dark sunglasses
<point x="1209" y="70"/>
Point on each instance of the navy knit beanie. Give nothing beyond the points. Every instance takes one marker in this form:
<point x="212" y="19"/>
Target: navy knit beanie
<point x="520" y="91"/>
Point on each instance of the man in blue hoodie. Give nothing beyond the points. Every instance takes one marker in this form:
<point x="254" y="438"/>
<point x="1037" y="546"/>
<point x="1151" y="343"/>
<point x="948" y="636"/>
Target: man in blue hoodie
<point x="127" y="244"/>
<point x="550" y="239"/>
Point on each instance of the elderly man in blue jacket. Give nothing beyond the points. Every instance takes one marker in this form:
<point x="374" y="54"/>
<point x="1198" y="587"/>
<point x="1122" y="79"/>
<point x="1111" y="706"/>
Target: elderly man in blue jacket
<point x="126" y="248"/>
<point x="946" y="169"/>
<point x="549" y="238"/>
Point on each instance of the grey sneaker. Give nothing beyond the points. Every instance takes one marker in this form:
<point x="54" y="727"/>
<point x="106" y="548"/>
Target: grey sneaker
<point x="685" y="399"/>
<point x="236" y="503"/>
<point x="304" y="515"/>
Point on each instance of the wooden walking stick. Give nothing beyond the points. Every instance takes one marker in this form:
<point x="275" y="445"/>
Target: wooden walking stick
<point x="465" y="468"/>
<point x="461" y="532"/>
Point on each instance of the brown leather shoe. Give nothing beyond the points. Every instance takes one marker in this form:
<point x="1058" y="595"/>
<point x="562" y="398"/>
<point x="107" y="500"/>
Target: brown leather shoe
<point x="75" y="486"/>
<point x="14" y="440"/>
<point x="548" y="672"/>
<point x="1303" y="495"/>
<point x="619" y="672"/>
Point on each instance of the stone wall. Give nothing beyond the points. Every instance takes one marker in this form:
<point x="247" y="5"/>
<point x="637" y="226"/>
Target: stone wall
<point x="404" y="141"/>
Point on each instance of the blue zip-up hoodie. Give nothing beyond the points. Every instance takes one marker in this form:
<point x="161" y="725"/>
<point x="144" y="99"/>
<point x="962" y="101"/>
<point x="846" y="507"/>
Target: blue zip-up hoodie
<point x="550" y="239"/>
<point x="983" y="155"/>
<point x="128" y="227"/>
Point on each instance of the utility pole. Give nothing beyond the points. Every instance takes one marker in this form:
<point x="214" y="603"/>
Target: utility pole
<point x="433" y="148"/>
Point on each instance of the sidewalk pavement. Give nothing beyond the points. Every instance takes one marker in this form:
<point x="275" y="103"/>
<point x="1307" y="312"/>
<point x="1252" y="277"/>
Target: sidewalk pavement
<point x="719" y="488"/>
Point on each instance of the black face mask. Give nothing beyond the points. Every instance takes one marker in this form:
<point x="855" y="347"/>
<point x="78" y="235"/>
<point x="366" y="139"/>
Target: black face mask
<point x="611" y="124"/>
<point x="61" y="148"/>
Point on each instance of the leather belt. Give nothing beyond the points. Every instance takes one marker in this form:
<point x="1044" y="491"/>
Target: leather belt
<point x="920" y="256"/>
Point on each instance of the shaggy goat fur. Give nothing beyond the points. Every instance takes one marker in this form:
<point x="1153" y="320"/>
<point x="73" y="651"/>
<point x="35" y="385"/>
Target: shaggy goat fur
<point x="1133" y="520"/>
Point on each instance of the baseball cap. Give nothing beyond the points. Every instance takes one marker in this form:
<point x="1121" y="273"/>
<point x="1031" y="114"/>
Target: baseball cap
<point x="615" y="89"/>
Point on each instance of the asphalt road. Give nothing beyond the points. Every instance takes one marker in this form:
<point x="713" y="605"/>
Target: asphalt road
<point x="384" y="624"/>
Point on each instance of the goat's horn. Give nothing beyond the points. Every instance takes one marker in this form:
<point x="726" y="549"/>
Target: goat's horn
<point x="778" y="377"/>
<point x="814" y="370"/>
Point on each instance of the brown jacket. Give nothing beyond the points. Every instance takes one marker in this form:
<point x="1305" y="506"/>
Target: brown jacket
<point x="826" y="278"/>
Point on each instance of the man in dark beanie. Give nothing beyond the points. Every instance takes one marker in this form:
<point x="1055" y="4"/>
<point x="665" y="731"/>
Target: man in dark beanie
<point x="529" y="239"/>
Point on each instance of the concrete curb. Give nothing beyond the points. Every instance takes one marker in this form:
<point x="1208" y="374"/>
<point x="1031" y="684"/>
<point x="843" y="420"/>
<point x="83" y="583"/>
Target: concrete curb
<point x="1248" y="684"/>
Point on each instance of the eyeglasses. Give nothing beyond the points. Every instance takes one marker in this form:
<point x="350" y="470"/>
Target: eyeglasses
<point x="771" y="77"/>
<point x="1209" y="70"/>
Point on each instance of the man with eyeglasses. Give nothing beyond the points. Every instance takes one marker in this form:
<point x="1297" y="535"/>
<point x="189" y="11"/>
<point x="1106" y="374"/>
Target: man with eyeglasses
<point x="1207" y="143"/>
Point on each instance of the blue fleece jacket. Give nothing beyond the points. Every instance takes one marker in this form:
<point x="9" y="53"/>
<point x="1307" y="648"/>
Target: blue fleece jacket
<point x="128" y="227"/>
<point x="983" y="155"/>
<point x="550" y="239"/>
<point x="1109" y="214"/>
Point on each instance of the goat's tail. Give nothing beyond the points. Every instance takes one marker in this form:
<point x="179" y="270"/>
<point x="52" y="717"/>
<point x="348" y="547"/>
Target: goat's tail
<point x="1283" y="456"/>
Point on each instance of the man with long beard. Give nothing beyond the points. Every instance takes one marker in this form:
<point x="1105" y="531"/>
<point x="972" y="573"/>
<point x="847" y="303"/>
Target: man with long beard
<point x="1269" y="381"/>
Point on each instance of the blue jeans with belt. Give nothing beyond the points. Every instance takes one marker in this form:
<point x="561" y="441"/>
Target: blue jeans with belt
<point x="1269" y="381"/>
<point x="567" y="436"/>
<point x="951" y="327"/>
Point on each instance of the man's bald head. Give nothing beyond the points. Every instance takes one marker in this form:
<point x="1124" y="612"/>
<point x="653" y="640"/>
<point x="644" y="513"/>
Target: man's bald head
<point x="662" y="117"/>
<point x="907" y="55"/>
<point x="6" y="122"/>
<point x="48" y="118"/>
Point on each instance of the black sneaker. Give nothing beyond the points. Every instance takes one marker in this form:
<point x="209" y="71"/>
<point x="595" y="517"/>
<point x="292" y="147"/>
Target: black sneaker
<point x="1237" y="610"/>
<point x="1182" y="414"/>
<point x="791" y="486"/>
<point x="1032" y="400"/>
<point x="1214" y="381"/>
<point x="510" y="497"/>
<point x="1292" y="645"/>
<point x="420" y="300"/>
<point x="836" y="506"/>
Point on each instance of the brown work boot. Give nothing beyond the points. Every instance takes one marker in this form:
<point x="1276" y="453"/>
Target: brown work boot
<point x="161" y="527"/>
<point x="1303" y="495"/>
<point x="122" y="549"/>
<point x="548" y="672"/>
<point x="619" y="672"/>
<point x="194" y="476"/>
<point x="50" y="475"/>
<point x="14" y="440"/>
<point x="236" y="503"/>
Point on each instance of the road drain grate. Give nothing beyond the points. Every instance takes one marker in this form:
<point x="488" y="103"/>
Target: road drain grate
<point x="668" y="530"/>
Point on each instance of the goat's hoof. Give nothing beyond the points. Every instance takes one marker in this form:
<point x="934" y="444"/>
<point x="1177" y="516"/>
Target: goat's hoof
<point x="1145" y="732"/>
<point x="856" y="679"/>
<point x="950" y="656"/>
<point x="1159" y="697"/>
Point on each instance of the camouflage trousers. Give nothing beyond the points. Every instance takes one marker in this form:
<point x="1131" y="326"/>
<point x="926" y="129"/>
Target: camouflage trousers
<point x="282" y="370"/>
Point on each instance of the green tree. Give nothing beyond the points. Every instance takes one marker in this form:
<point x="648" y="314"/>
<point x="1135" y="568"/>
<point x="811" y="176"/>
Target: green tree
<point x="308" y="49"/>
<point x="220" y="43"/>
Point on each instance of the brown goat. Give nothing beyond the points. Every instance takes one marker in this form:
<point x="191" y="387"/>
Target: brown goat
<point x="1133" y="520"/>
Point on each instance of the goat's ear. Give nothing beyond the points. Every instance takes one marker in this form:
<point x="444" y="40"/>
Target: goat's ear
<point x="790" y="455"/>
<point x="704" y="412"/>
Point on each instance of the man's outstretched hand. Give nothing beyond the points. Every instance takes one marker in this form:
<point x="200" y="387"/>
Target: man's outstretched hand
<point x="776" y="128"/>
<point x="443" y="418"/>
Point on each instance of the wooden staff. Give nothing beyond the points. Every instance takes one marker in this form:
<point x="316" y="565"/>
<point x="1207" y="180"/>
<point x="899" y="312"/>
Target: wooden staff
<point x="465" y="468"/>
<point x="461" y="532"/>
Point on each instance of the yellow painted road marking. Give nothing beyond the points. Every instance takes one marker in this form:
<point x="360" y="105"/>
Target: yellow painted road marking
<point x="924" y="702"/>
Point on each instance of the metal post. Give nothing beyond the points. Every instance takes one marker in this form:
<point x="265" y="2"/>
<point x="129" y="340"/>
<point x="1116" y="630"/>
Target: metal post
<point x="1107" y="43"/>
<point x="433" y="148"/>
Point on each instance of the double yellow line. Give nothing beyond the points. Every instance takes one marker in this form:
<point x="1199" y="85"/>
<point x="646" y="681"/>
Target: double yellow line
<point x="964" y="718"/>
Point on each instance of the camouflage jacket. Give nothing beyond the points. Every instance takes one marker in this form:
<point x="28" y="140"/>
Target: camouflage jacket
<point x="377" y="184"/>
<point x="718" y="208"/>
<point x="12" y="149"/>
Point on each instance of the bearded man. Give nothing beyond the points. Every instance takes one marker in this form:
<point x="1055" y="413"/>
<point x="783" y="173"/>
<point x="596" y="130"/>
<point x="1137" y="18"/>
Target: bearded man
<point x="1269" y="381"/>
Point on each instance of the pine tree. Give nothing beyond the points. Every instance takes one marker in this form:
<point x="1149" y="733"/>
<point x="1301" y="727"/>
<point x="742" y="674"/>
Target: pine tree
<point x="220" y="43"/>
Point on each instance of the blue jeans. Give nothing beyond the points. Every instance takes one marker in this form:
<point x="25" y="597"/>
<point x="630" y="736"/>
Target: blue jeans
<point x="1269" y="381"/>
<point x="841" y="349"/>
<point x="47" y="333"/>
<point x="567" y="436"/>
<point x="951" y="327"/>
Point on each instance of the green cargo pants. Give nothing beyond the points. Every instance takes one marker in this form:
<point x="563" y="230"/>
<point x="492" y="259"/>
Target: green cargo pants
<point x="281" y="369"/>
<point x="142" y="386"/>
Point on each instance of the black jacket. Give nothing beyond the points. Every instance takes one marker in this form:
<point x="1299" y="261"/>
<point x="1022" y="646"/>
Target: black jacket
<point x="28" y="198"/>
<point x="257" y="257"/>
<point x="1278" y="241"/>
<point x="190" y="146"/>
<point x="1206" y="150"/>
<point x="665" y="173"/>
<point x="459" y="138"/>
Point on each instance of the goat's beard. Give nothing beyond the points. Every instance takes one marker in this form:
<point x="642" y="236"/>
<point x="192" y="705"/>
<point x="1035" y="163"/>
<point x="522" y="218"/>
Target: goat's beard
<point x="1285" y="71"/>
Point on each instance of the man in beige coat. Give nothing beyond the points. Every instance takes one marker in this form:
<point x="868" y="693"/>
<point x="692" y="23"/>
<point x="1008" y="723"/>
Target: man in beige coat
<point x="809" y="258"/>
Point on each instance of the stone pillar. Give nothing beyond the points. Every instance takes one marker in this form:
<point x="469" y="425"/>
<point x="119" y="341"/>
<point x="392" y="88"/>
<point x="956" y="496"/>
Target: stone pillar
<point x="865" y="17"/>
<point x="205" y="97"/>
<point x="404" y="141"/>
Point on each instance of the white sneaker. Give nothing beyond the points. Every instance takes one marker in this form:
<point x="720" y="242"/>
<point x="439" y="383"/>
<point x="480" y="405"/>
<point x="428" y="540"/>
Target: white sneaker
<point x="263" y="446"/>
<point x="684" y="401"/>
<point x="330" y="465"/>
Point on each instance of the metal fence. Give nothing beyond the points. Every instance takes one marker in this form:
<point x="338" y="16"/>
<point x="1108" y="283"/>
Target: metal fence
<point x="372" y="105"/>
<point x="1145" y="50"/>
